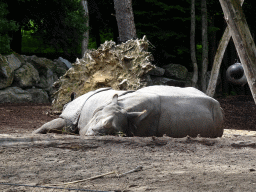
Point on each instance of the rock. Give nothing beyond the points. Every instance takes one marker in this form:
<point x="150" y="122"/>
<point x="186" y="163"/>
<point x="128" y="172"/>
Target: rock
<point x="167" y="81"/>
<point x="30" y="71"/>
<point x="38" y="95"/>
<point x="6" y="73"/>
<point x="239" y="144"/>
<point x="26" y="76"/>
<point x="14" y="95"/>
<point x="175" y="71"/>
<point x="47" y="80"/>
<point x="14" y="62"/>
<point x="42" y="64"/>
<point x="157" y="71"/>
<point x="62" y="66"/>
<point x="66" y="62"/>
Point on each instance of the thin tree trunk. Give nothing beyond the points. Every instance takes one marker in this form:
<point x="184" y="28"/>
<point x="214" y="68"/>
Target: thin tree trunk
<point x="85" y="41"/>
<point x="204" y="45"/>
<point x="212" y="44"/>
<point x="16" y="40"/>
<point x="192" y="44"/>
<point x="125" y="20"/>
<point x="242" y="38"/>
<point x="217" y="61"/>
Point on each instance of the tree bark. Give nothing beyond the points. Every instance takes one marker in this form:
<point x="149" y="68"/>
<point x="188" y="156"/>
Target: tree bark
<point x="125" y="20"/>
<point x="204" y="45"/>
<point x="85" y="41"/>
<point x="243" y="40"/>
<point x="192" y="44"/>
<point x="217" y="61"/>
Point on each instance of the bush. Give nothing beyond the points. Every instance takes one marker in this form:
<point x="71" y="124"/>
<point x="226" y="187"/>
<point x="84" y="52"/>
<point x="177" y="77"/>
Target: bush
<point x="5" y="27"/>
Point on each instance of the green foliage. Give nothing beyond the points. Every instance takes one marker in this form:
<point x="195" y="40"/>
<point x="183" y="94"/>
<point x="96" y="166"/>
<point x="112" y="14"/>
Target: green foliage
<point x="5" y="27"/>
<point x="53" y="26"/>
<point x="233" y="93"/>
<point x="167" y="25"/>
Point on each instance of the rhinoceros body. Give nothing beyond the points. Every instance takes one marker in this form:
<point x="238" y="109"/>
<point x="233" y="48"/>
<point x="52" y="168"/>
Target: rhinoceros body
<point x="150" y="111"/>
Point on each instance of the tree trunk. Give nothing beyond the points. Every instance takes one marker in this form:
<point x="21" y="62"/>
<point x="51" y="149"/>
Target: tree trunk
<point x="204" y="45"/>
<point x="85" y="41"/>
<point x="125" y="20"/>
<point x="192" y="44"/>
<point x="242" y="38"/>
<point x="212" y="43"/>
<point x="16" y="41"/>
<point x="217" y="61"/>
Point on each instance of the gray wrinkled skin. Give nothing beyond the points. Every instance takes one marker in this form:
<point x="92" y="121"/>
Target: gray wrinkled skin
<point x="154" y="110"/>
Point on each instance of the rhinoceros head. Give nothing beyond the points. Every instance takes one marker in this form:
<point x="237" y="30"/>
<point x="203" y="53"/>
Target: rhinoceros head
<point x="112" y="118"/>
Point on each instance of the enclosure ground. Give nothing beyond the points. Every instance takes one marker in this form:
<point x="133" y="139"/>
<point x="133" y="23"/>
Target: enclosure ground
<point x="169" y="164"/>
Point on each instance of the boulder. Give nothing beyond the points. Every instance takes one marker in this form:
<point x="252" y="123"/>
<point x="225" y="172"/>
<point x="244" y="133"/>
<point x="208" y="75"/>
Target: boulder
<point x="167" y="81"/>
<point x="62" y="66"/>
<point x="38" y="95"/>
<point x="14" y="61"/>
<point x="47" y="80"/>
<point x="26" y="72"/>
<point x="14" y="95"/>
<point x="66" y="62"/>
<point x="8" y="64"/>
<point x="175" y="71"/>
<point x="26" y="76"/>
<point x="158" y="71"/>
<point x="6" y="73"/>
<point x="42" y="64"/>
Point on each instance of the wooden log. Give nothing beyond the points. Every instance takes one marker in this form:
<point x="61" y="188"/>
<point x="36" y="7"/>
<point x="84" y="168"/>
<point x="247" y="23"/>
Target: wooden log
<point x="217" y="61"/>
<point x="243" y="40"/>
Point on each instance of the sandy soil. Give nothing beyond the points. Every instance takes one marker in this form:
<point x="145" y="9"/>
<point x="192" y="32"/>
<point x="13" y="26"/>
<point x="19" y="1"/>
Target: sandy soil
<point x="168" y="164"/>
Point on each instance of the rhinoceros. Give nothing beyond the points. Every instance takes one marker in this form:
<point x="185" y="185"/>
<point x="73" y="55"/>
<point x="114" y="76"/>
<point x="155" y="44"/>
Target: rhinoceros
<point x="149" y="111"/>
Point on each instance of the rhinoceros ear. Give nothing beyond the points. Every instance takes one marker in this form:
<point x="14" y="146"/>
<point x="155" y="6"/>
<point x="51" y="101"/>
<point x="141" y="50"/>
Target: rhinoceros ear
<point x="133" y="120"/>
<point x="114" y="99"/>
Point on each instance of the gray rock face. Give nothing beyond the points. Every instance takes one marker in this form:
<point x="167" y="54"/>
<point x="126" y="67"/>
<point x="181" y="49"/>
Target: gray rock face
<point x="38" y="95"/>
<point x="158" y="71"/>
<point x="42" y="64"/>
<point x="175" y="71"/>
<point x="167" y="81"/>
<point x="108" y="66"/>
<point x="18" y="72"/>
<point x="66" y="62"/>
<point x="26" y="76"/>
<point x="14" y="95"/>
<point x="14" y="62"/>
<point x="6" y="73"/>
<point x="61" y="66"/>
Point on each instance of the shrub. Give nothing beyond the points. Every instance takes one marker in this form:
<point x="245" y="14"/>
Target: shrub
<point x="5" y="27"/>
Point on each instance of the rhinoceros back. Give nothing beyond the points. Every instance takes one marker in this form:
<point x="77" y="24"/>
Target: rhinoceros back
<point x="187" y="111"/>
<point x="73" y="110"/>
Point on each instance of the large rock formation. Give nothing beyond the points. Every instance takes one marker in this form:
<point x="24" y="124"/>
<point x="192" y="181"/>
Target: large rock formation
<point x="127" y="66"/>
<point x="29" y="78"/>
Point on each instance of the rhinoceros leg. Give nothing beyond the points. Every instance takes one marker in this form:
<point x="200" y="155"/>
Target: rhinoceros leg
<point x="55" y="125"/>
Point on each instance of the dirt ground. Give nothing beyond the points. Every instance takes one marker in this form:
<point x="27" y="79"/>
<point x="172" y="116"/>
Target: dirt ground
<point x="36" y="163"/>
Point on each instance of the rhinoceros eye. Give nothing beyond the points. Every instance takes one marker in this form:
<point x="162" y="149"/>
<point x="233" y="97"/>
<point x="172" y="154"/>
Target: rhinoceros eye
<point x="108" y="122"/>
